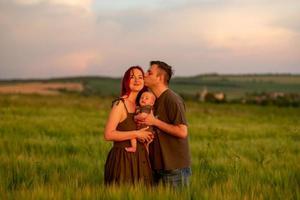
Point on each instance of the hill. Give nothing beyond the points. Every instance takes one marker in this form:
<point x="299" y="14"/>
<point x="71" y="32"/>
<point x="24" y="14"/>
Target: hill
<point x="234" y="86"/>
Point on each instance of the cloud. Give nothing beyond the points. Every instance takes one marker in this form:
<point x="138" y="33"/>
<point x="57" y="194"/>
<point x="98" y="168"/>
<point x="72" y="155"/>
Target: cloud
<point x="45" y="38"/>
<point x="86" y="4"/>
<point x="36" y="37"/>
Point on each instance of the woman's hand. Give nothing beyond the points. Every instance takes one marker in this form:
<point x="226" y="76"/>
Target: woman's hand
<point x="144" y="136"/>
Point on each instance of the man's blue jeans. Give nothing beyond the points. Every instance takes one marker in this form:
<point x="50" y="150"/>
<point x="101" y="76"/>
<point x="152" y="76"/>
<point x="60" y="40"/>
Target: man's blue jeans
<point x="175" y="178"/>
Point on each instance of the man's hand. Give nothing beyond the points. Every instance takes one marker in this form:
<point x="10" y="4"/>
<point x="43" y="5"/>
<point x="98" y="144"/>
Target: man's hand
<point x="140" y="117"/>
<point x="178" y="130"/>
<point x="149" y="120"/>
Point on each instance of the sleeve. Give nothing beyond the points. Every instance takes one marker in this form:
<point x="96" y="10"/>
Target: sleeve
<point x="146" y="109"/>
<point x="176" y="111"/>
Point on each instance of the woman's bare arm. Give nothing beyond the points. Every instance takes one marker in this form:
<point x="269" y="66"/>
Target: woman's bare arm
<point x="111" y="134"/>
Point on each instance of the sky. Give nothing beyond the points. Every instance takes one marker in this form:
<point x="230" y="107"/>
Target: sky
<point x="59" y="38"/>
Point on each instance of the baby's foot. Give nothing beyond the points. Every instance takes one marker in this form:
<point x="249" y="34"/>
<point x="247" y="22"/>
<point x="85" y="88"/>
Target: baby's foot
<point x="130" y="149"/>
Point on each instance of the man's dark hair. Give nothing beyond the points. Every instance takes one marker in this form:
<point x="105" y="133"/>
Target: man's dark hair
<point x="167" y="69"/>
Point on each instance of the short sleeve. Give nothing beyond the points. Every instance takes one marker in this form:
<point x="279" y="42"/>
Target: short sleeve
<point x="176" y="111"/>
<point x="146" y="109"/>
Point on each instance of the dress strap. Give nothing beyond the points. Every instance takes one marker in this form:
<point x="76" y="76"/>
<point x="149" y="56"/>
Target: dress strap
<point x="117" y="101"/>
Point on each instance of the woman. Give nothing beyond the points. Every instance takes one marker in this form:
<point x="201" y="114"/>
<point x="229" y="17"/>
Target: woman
<point x="122" y="166"/>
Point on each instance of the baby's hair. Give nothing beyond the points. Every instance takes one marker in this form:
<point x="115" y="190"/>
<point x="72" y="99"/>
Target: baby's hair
<point x="154" y="97"/>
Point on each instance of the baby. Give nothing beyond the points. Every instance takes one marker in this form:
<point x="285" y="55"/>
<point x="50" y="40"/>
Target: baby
<point x="146" y="103"/>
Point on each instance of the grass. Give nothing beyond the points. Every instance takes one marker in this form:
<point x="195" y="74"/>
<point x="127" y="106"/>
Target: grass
<point x="53" y="147"/>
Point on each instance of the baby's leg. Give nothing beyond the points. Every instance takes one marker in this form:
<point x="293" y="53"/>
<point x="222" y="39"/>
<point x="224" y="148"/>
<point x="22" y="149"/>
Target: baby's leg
<point x="147" y="145"/>
<point x="133" y="146"/>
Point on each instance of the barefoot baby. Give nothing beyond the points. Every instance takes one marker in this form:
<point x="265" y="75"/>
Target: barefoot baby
<point x="145" y="106"/>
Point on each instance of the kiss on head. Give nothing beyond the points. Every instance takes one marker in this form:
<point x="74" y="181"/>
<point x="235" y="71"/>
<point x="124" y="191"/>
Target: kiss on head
<point x="148" y="127"/>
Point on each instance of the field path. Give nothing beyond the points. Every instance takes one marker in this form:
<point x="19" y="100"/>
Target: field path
<point x="40" y="88"/>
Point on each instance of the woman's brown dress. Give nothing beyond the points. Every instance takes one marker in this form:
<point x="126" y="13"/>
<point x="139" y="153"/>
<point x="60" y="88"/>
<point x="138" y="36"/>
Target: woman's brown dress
<point x="126" y="167"/>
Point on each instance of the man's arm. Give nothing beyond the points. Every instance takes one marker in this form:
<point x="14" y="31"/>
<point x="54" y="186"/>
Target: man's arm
<point x="179" y="130"/>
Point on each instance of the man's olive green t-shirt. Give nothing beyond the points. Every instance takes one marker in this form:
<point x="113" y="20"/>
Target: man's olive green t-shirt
<point x="166" y="151"/>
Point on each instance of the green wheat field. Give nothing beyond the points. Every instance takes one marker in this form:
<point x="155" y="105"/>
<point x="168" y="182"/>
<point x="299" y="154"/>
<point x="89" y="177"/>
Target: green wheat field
<point x="52" y="147"/>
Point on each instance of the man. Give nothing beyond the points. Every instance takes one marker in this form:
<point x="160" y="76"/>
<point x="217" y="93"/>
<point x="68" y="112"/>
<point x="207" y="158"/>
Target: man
<point x="169" y="151"/>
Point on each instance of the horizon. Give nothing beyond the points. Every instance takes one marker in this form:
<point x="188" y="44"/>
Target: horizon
<point x="58" y="38"/>
<point x="120" y="77"/>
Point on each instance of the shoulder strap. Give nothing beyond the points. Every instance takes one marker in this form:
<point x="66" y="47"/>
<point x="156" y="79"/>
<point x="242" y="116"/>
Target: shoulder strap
<point x="117" y="101"/>
<point x="124" y="105"/>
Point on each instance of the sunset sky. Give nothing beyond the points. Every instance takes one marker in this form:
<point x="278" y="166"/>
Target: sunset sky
<point x="56" y="38"/>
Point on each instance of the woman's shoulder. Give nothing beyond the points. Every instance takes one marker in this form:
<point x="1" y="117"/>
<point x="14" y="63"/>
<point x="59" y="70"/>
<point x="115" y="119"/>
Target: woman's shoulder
<point x="117" y="101"/>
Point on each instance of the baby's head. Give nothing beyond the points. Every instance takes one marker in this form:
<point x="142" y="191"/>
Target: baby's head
<point x="147" y="99"/>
